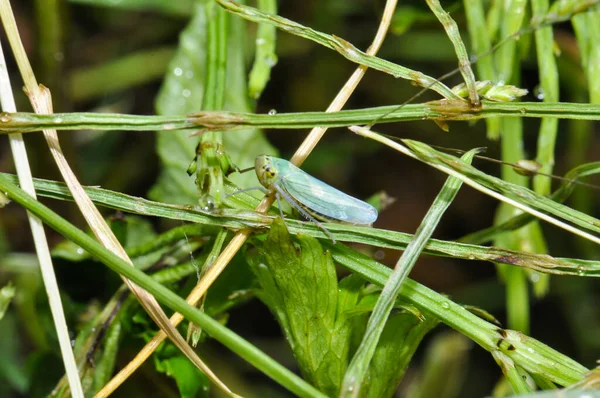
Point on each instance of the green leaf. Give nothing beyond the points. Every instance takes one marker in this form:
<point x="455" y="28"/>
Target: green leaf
<point x="240" y="346"/>
<point x="299" y="284"/>
<point x="105" y="364"/>
<point x="444" y="367"/>
<point x="231" y="288"/>
<point x="191" y="382"/>
<point x="176" y="7"/>
<point x="400" y="339"/>
<point x="560" y="393"/>
<point x="356" y="376"/>
<point x="131" y="231"/>
<point x="349" y="294"/>
<point x="182" y="93"/>
<point x="265" y="57"/>
<point x="6" y="295"/>
<point x="13" y="375"/>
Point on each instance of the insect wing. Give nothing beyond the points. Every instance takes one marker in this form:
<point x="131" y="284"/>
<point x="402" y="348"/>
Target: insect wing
<point x="326" y="200"/>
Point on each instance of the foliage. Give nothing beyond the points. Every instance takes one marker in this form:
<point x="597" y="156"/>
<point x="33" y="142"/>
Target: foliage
<point x="219" y="74"/>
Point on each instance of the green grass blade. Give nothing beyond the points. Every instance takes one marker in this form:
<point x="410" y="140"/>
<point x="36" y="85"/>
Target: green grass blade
<point x="444" y="367"/>
<point x="22" y="122"/>
<point x="561" y="194"/>
<point x="532" y="355"/>
<point x="464" y="62"/>
<point x="163" y="294"/>
<point x="265" y="57"/>
<point x="357" y="370"/>
<point x="348" y="233"/>
<point x="340" y="45"/>
<point x="510" y="371"/>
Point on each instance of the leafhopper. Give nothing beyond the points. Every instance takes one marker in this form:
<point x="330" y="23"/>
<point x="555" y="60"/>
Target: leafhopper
<point x="313" y="199"/>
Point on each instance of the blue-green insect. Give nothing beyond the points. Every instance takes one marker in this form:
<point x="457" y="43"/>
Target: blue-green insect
<point x="314" y="199"/>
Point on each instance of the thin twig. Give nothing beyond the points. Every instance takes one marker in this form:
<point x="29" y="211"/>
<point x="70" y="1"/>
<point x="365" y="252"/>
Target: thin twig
<point x="241" y="236"/>
<point x="39" y="237"/>
<point x="41" y="101"/>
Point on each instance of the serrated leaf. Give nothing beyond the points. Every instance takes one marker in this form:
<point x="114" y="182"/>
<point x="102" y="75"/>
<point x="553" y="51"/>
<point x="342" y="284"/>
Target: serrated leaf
<point x="299" y="284"/>
<point x="182" y="93"/>
<point x="349" y="294"/>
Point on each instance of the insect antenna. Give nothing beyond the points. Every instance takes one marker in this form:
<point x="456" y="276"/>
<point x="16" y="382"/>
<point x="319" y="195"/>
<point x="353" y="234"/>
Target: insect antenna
<point x="245" y="170"/>
<point x="535" y="25"/>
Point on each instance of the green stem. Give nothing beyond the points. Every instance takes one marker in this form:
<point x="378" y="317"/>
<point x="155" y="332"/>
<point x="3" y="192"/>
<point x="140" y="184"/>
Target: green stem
<point x="348" y="233"/>
<point x="22" y="122"/>
<point x="231" y="340"/>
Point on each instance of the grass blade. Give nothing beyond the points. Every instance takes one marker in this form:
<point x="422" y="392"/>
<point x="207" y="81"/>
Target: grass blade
<point x="357" y="370"/>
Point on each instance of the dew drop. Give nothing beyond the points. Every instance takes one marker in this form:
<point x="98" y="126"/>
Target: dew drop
<point x="260" y="41"/>
<point x="186" y="93"/>
<point x="272" y="112"/>
<point x="538" y="91"/>
<point x="445" y="305"/>
<point x="534" y="277"/>
<point x="189" y="74"/>
<point x="80" y="251"/>
<point x="178" y="71"/>
<point x="207" y="203"/>
<point x="271" y="61"/>
<point x="5" y="118"/>
<point x="58" y="120"/>
<point x="530" y="350"/>
<point x="523" y="111"/>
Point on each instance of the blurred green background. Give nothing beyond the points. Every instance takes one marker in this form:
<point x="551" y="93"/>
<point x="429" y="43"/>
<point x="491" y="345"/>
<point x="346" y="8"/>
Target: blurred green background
<point x="111" y="56"/>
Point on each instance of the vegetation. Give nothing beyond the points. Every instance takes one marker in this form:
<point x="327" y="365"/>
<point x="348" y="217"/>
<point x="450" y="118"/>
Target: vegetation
<point x="276" y="307"/>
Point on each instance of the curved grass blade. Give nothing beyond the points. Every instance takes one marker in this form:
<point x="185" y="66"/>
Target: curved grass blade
<point x="348" y="233"/>
<point x="166" y="296"/>
<point x="357" y="370"/>
<point x="524" y="198"/>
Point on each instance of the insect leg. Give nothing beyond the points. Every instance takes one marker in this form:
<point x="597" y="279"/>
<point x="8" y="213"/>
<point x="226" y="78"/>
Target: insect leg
<point x="263" y="189"/>
<point x="278" y="197"/>
<point x="304" y="213"/>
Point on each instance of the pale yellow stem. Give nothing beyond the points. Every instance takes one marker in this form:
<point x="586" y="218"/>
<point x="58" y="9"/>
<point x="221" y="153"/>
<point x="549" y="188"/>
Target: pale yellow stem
<point x="241" y="236"/>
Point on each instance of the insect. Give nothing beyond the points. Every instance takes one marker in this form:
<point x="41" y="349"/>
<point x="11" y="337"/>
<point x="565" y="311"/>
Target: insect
<point x="314" y="199"/>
